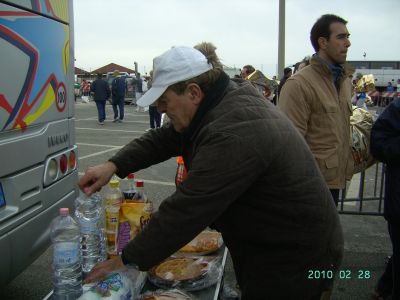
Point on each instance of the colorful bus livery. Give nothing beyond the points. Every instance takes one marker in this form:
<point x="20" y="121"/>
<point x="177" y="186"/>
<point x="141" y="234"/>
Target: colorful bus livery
<point x="42" y="59"/>
<point x="38" y="155"/>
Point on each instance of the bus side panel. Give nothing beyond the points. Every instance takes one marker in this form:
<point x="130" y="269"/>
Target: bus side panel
<point x="35" y="76"/>
<point x="36" y="126"/>
<point x="53" y="8"/>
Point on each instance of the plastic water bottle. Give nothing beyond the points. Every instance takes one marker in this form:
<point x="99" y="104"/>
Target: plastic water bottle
<point x="67" y="271"/>
<point x="103" y="236"/>
<point x="90" y="219"/>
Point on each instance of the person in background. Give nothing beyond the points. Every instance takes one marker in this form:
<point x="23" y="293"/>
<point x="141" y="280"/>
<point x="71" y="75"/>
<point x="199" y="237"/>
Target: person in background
<point x="275" y="91"/>
<point x="118" y="89"/>
<point x="155" y="116"/>
<point x="101" y="92"/>
<point x="139" y="87"/>
<point x="301" y="64"/>
<point x="287" y="72"/>
<point x="246" y="71"/>
<point x="385" y="146"/>
<point x="317" y="100"/>
<point x="85" y="87"/>
<point x="390" y="87"/>
<point x="244" y="178"/>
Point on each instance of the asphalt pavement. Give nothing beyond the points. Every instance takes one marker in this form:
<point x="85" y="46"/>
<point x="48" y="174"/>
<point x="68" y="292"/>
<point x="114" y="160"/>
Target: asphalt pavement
<point x="367" y="241"/>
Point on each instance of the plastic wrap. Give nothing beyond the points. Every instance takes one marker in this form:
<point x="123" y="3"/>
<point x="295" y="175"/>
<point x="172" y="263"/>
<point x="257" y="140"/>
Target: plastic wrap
<point x="173" y="294"/>
<point x="204" y="243"/>
<point x="360" y="125"/>
<point x="187" y="273"/>
<point x="365" y="84"/>
<point x="125" y="284"/>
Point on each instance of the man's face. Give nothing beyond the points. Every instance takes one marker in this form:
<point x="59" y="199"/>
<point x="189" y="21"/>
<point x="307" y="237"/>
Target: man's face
<point x="179" y="108"/>
<point x="334" y="49"/>
<point x="244" y="73"/>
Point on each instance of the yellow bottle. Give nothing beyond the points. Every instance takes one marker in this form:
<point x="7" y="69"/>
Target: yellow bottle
<point x="113" y="198"/>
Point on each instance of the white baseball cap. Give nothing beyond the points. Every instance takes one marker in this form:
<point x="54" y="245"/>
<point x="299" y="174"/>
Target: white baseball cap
<point x="176" y="65"/>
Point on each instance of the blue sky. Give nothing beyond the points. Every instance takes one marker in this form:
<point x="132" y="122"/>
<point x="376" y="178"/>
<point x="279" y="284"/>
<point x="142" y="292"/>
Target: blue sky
<point x="244" y="31"/>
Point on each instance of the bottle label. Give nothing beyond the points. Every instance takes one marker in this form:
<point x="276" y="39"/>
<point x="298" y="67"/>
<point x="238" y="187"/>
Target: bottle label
<point x="88" y="226"/>
<point x="66" y="253"/>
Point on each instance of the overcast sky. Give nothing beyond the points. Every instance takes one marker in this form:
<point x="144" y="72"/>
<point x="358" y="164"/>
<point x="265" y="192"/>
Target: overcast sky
<point x="244" y="31"/>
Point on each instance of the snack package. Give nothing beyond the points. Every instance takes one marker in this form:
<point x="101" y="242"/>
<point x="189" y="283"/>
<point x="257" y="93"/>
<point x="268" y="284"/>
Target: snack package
<point x="125" y="284"/>
<point x="205" y="242"/>
<point x="173" y="294"/>
<point x="186" y="273"/>
<point x="133" y="217"/>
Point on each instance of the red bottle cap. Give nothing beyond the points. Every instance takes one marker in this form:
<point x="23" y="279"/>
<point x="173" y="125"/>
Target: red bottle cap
<point x="131" y="176"/>
<point x="139" y="183"/>
<point x="64" y="211"/>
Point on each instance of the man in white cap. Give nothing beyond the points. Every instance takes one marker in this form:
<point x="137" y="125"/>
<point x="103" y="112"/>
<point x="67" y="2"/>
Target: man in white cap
<point x="250" y="175"/>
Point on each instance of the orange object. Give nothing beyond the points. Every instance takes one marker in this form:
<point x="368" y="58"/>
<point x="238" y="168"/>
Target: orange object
<point x="181" y="172"/>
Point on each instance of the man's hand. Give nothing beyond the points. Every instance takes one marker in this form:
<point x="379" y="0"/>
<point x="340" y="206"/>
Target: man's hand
<point x="102" y="269"/>
<point x="96" y="177"/>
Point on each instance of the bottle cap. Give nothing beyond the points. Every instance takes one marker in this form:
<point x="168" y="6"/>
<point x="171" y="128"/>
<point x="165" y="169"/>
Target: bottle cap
<point x="179" y="160"/>
<point x="131" y="176"/>
<point x="64" y="211"/>
<point x="114" y="183"/>
<point x="139" y="183"/>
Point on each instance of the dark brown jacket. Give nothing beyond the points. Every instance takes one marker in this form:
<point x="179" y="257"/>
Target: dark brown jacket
<point x="252" y="176"/>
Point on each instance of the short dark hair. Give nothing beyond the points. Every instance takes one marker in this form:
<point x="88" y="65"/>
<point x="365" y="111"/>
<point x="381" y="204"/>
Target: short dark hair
<point x="286" y="71"/>
<point x="99" y="75"/>
<point x="321" y="28"/>
<point x="249" y="68"/>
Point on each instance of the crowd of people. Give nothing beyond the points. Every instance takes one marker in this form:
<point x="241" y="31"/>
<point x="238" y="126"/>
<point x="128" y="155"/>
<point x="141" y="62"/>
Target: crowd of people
<point x="266" y="176"/>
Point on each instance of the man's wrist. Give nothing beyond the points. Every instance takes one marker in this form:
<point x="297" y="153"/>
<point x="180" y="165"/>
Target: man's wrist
<point x="112" y="166"/>
<point x="128" y="263"/>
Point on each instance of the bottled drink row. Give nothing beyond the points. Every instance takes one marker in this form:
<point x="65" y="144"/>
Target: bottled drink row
<point x="100" y="227"/>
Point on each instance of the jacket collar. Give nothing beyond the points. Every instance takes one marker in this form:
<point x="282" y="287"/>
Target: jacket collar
<point x="325" y="67"/>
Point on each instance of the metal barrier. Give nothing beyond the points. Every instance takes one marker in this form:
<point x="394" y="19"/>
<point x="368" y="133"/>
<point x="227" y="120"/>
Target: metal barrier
<point x="364" y="196"/>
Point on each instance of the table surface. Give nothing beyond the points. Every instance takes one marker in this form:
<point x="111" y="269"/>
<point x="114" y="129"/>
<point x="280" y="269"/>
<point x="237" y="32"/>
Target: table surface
<point x="209" y="293"/>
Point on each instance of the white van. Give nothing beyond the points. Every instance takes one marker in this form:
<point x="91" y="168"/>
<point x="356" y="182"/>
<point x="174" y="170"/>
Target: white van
<point x="38" y="155"/>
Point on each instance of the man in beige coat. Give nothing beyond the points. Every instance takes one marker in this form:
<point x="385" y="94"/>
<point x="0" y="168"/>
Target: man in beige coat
<point x="317" y="100"/>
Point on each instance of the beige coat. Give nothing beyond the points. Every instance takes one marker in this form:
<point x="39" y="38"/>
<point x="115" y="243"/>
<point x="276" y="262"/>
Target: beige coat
<point x="322" y="115"/>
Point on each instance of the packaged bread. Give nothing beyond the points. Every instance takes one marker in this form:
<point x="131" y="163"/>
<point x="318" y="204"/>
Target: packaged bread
<point x="206" y="242"/>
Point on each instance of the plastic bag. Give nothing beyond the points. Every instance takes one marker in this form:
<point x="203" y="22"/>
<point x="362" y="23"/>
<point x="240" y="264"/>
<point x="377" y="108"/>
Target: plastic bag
<point x="186" y="273"/>
<point x="360" y="126"/>
<point x="125" y="284"/>
<point x="205" y="242"/>
<point x="365" y="83"/>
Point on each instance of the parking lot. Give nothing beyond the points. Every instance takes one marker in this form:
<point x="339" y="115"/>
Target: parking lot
<point x="366" y="239"/>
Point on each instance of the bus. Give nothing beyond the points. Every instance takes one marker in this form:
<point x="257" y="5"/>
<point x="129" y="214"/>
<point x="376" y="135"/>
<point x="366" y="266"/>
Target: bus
<point x="38" y="155"/>
<point x="383" y="71"/>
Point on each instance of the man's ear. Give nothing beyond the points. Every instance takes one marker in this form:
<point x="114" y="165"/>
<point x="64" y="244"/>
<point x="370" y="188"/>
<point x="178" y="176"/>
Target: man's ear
<point x="195" y="93"/>
<point x="322" y="42"/>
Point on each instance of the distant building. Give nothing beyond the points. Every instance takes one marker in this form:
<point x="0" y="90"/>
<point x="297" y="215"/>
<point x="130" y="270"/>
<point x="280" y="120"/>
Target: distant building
<point x="111" y="67"/>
